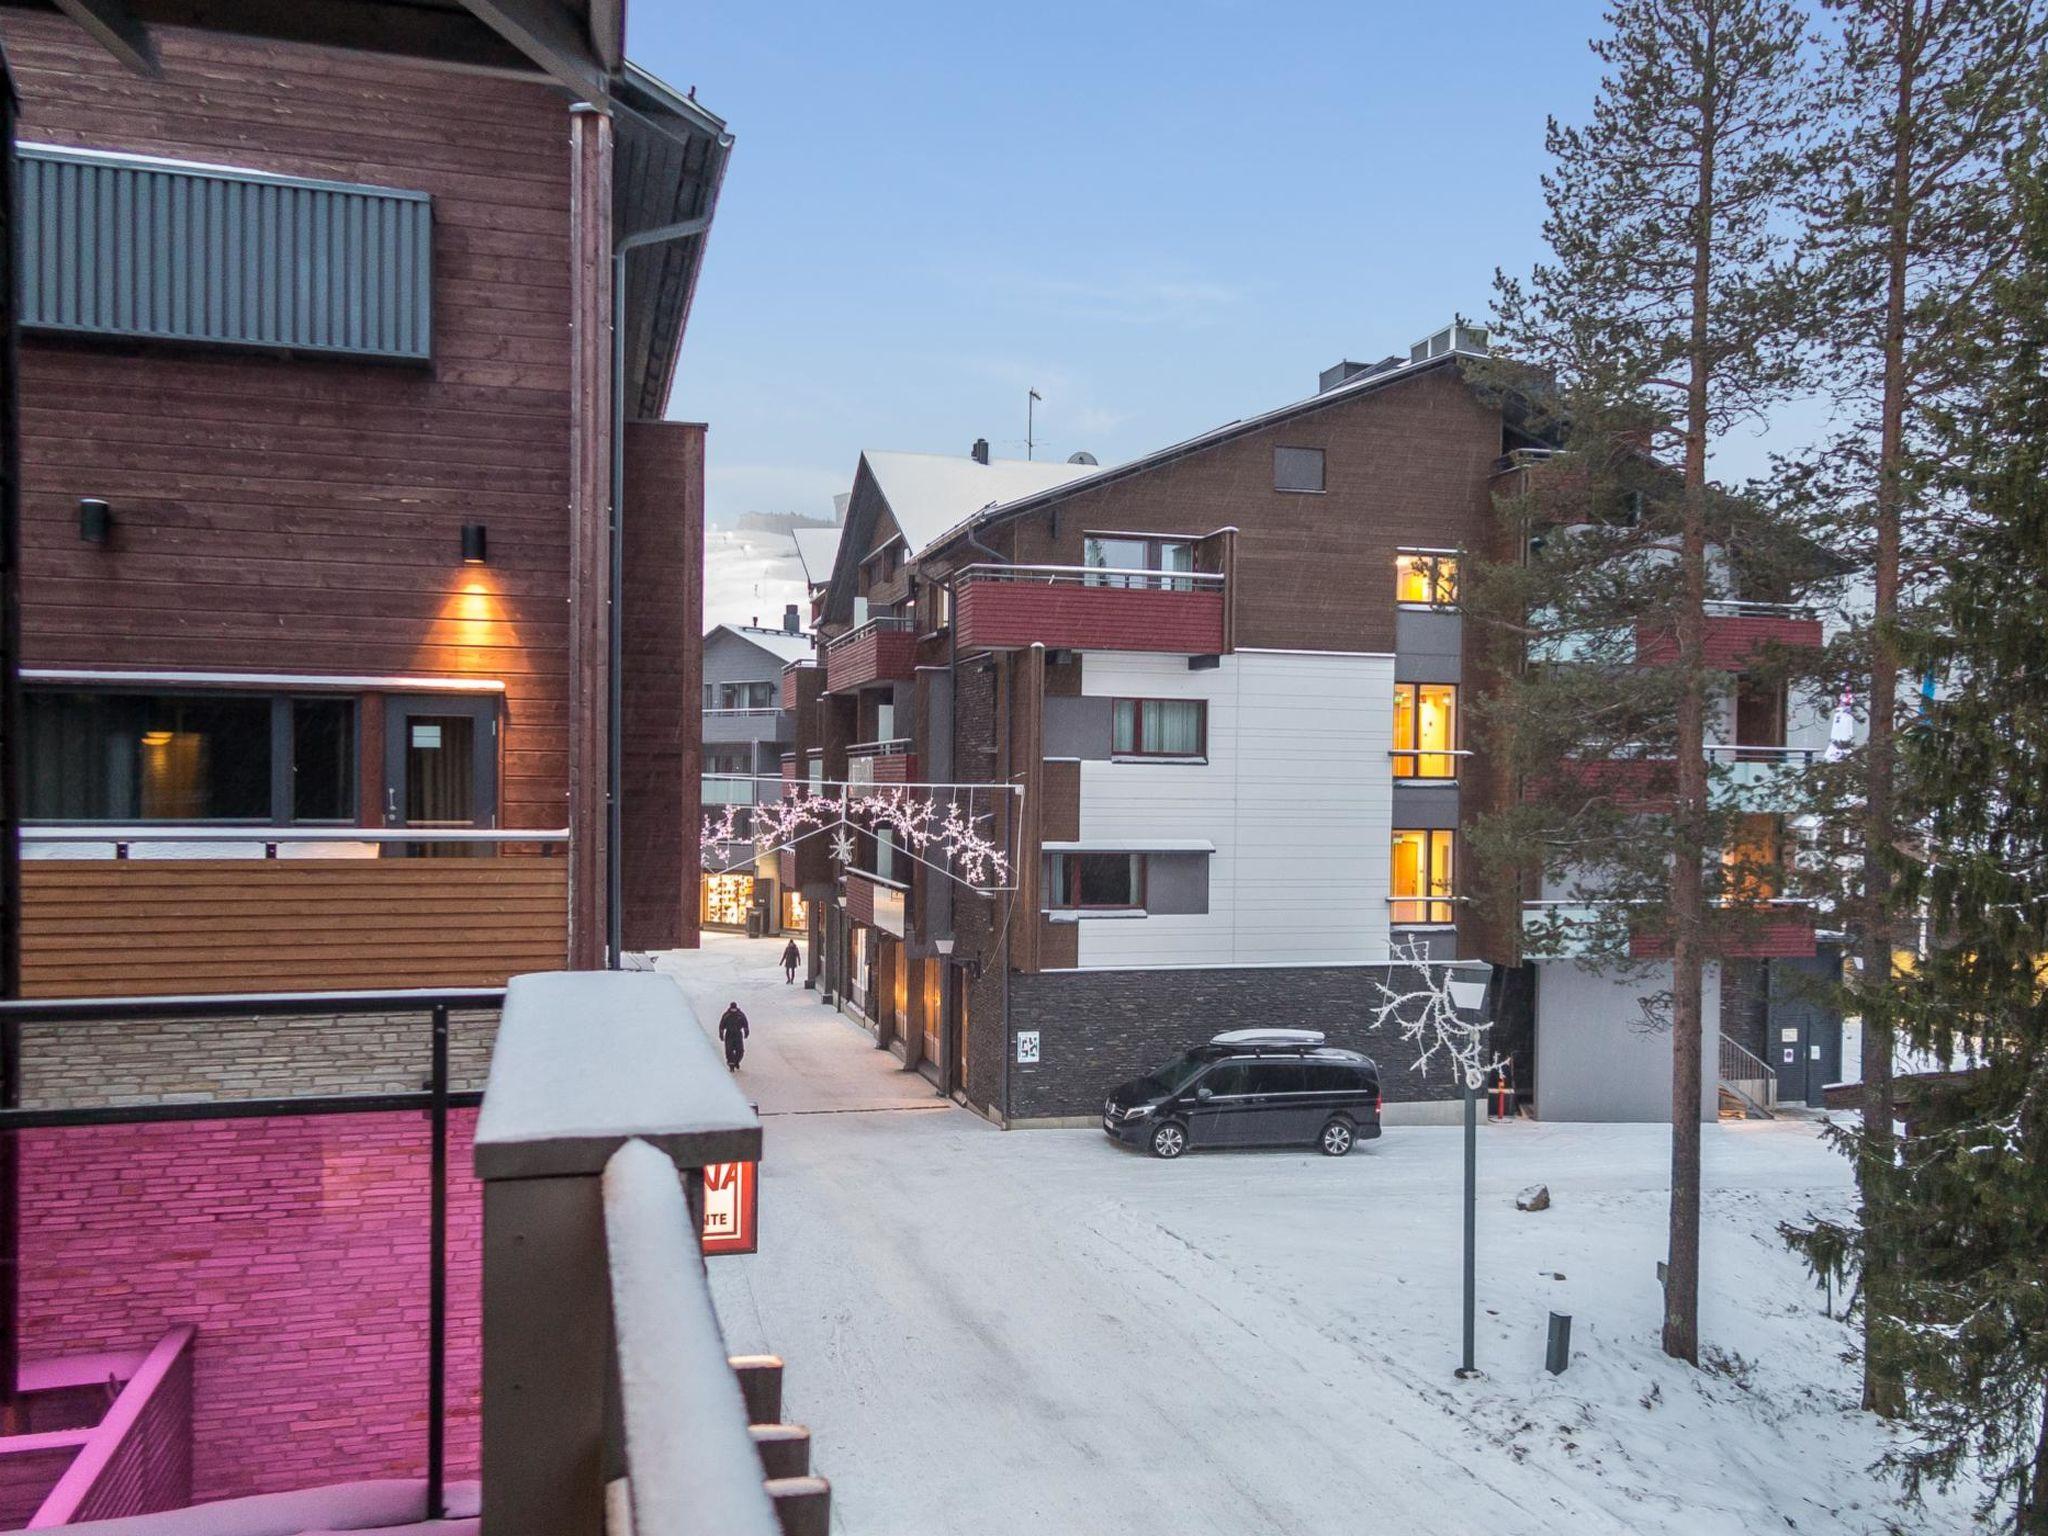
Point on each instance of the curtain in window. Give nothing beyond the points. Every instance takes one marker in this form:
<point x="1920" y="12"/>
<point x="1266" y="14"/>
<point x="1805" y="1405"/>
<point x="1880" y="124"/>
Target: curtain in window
<point x="1173" y="727"/>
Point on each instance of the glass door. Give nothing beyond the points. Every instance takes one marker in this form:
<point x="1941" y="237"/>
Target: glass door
<point x="441" y="768"/>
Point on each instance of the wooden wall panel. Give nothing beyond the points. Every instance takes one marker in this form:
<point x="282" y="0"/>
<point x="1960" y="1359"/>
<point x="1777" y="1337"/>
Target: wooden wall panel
<point x="304" y="514"/>
<point x="153" y="927"/>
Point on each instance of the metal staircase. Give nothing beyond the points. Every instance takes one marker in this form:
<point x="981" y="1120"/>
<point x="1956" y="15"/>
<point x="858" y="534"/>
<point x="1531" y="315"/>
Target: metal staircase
<point x="1748" y="1086"/>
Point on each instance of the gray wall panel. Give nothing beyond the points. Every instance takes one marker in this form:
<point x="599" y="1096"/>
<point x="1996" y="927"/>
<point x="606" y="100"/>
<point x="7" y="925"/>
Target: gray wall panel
<point x="119" y="245"/>
<point x="1077" y="727"/>
<point x="1177" y="883"/>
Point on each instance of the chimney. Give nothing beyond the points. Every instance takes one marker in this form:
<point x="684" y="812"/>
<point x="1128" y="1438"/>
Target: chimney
<point x="791" y="623"/>
<point x="980" y="450"/>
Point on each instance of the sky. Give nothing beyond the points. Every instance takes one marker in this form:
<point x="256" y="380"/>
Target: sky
<point x="1160" y="217"/>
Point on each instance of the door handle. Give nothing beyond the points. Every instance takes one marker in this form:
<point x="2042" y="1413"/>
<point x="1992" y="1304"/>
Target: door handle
<point x="391" y="805"/>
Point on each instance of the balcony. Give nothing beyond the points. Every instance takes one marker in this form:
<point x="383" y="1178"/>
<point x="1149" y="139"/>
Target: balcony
<point x="1736" y="631"/>
<point x="156" y="910"/>
<point x="1782" y="928"/>
<point x="1760" y="778"/>
<point x="793" y="677"/>
<point x="875" y="654"/>
<point x="734" y="726"/>
<point x="1081" y="608"/>
<point x="881" y="762"/>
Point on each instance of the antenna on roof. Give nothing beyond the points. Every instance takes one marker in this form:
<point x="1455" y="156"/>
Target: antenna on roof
<point x="1030" y="420"/>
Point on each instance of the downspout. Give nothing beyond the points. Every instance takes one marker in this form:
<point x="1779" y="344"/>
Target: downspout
<point x="614" y="895"/>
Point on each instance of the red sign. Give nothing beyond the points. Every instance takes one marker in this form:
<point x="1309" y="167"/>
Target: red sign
<point x="731" y="1208"/>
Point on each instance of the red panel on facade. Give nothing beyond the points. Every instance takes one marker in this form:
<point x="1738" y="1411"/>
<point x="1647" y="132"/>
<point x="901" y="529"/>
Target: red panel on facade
<point x="867" y="656"/>
<point x="860" y="900"/>
<point x="998" y="615"/>
<point x="1732" y="639"/>
<point x="896" y="768"/>
<point x="1786" y="937"/>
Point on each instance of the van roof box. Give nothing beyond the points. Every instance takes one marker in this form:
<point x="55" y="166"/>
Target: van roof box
<point x="1253" y="1037"/>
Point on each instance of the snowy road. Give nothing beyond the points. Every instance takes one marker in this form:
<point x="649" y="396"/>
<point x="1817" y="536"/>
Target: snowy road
<point x="1039" y="1332"/>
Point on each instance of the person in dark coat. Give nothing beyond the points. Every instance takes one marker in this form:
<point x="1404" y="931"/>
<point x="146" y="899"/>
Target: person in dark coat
<point x="732" y="1029"/>
<point x="791" y="959"/>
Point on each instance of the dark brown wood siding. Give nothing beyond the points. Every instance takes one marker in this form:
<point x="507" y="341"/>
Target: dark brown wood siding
<point x="304" y="514"/>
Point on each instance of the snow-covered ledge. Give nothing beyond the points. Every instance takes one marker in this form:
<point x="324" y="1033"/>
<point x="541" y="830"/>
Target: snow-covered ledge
<point x="586" y="1062"/>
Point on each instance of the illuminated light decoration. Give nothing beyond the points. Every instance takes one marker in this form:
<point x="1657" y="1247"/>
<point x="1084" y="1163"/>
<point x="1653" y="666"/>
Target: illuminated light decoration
<point x="731" y="1208"/>
<point x="933" y="829"/>
<point x="1431" y="1017"/>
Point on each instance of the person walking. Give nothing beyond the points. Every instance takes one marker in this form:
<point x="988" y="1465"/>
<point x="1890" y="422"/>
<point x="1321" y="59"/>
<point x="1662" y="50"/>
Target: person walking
<point x="732" y="1029"/>
<point x="791" y="959"/>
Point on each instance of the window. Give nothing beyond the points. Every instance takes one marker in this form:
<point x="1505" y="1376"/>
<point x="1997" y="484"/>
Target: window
<point x="1095" y="881"/>
<point x="1425" y="730"/>
<point x="1297" y="469"/>
<point x="1278" y="1077"/>
<point x="1227" y="1079"/>
<point x="740" y="696"/>
<point x="1427" y="579"/>
<point x="1759" y="715"/>
<point x="137" y="757"/>
<point x="885" y="853"/>
<point x="1334" y="1077"/>
<point x="729" y="759"/>
<point x="1159" y="728"/>
<point x="1119" y="560"/>
<point x="1421" y="885"/>
<point x="1751" y="863"/>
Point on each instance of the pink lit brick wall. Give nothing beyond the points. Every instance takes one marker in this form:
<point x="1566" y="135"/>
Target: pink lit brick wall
<point x="298" y="1248"/>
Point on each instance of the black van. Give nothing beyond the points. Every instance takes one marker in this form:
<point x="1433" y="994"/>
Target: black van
<point x="1251" y="1088"/>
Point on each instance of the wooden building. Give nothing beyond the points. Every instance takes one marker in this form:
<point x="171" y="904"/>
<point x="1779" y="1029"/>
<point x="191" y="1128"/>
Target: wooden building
<point x="322" y="433"/>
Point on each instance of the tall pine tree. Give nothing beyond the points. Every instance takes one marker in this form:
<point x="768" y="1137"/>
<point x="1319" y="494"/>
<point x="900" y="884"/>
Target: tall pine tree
<point x="1906" y="224"/>
<point x="1961" y="1233"/>
<point x="1665" y="319"/>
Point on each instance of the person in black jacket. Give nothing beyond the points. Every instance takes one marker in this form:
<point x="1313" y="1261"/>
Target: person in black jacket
<point x="732" y="1029"/>
<point x="791" y="959"/>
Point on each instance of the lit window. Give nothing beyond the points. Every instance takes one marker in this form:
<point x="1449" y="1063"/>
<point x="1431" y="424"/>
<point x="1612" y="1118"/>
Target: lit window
<point x="1097" y="881"/>
<point x="1159" y="728"/>
<point x="1425" y="730"/>
<point x="1431" y="580"/>
<point x="1751" y="860"/>
<point x="1422" y="876"/>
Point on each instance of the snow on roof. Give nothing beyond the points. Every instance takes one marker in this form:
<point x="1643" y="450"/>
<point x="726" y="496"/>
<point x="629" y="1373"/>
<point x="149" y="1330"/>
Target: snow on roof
<point x="816" y="549"/>
<point x="929" y="494"/>
<point x="779" y="643"/>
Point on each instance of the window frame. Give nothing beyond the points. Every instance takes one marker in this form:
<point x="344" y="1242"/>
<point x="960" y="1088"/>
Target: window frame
<point x="1140" y="752"/>
<point x="1437" y="560"/>
<point x="281" y="789"/>
<point x="1322" y="485"/>
<point x="1412" y="751"/>
<point x="1153" y="575"/>
<point x="1425" y="901"/>
<point x="1063" y="894"/>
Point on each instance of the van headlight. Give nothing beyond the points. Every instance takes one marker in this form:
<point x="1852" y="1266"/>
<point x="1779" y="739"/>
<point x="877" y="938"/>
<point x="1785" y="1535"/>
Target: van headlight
<point x="1139" y="1111"/>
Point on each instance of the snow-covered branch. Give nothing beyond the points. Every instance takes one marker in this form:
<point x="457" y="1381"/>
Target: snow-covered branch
<point x="1430" y="1020"/>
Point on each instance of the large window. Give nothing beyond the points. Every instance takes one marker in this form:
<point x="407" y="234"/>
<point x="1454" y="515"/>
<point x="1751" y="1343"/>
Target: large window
<point x="1425" y="730"/>
<point x="1422" y="876"/>
<point x="1159" y="728"/>
<point x="1752" y="860"/>
<point x="1095" y="881"/>
<point x="1426" y="578"/>
<point x="142" y="757"/>
<point x="1127" y="560"/>
<point x="740" y="696"/>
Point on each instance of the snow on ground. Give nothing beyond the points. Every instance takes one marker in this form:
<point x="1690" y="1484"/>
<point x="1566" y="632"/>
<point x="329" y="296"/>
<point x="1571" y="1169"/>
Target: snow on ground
<point x="1040" y="1332"/>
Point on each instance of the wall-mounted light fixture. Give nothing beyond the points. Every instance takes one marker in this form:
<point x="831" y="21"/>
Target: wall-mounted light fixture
<point x="473" y="548"/>
<point x="95" y="520"/>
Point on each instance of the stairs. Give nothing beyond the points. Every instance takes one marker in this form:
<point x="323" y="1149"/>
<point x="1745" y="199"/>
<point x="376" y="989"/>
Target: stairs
<point x="1748" y="1087"/>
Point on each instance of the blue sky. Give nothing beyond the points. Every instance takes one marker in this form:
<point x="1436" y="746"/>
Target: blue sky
<point x="1162" y="217"/>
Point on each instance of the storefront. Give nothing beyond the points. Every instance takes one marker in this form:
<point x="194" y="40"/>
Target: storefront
<point x="796" y="912"/>
<point x="729" y="899"/>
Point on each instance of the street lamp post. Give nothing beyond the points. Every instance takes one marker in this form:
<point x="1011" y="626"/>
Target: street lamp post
<point x="1472" y="993"/>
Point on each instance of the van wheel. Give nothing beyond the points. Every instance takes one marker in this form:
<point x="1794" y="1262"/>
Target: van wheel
<point x="1336" y="1138"/>
<point x="1170" y="1140"/>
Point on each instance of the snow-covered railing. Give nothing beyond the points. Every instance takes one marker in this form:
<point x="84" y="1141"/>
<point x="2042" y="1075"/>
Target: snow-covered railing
<point x="886" y="624"/>
<point x="689" y="1465"/>
<point x="1736" y="608"/>
<point x="1090" y="576"/>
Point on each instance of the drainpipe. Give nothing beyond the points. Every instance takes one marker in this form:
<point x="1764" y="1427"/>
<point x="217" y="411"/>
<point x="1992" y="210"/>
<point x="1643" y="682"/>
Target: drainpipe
<point x="614" y="895"/>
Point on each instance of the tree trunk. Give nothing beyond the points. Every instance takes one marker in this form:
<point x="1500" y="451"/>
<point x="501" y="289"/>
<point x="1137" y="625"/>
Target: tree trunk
<point x="1880" y="1390"/>
<point x="2031" y="1519"/>
<point x="1688" y="863"/>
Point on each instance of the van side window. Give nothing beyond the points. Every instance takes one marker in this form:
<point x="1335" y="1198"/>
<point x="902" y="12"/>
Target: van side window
<point x="1334" y="1077"/>
<point x="1225" y="1079"/>
<point x="1278" y="1077"/>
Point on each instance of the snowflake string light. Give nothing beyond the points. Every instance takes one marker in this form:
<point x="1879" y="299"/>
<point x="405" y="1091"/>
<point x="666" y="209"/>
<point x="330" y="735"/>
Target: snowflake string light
<point x="842" y="846"/>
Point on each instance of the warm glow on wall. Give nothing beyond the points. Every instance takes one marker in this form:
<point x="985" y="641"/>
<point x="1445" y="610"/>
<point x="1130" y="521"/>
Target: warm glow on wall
<point x="472" y="625"/>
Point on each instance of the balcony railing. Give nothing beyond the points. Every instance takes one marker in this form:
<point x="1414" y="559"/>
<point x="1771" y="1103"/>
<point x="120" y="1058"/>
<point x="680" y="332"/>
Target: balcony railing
<point x="1774" y="927"/>
<point x="1427" y="765"/>
<point x="883" y="650"/>
<point x="155" y="910"/>
<point x="1736" y="608"/>
<point x="1424" y="911"/>
<point x="1071" y="607"/>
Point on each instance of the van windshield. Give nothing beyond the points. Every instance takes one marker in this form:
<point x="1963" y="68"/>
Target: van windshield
<point x="1179" y="1072"/>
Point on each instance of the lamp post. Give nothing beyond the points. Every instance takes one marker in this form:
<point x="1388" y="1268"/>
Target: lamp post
<point x="1471" y="992"/>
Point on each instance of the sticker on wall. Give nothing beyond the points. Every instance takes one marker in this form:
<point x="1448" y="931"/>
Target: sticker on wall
<point x="731" y="1208"/>
<point x="1027" y="1047"/>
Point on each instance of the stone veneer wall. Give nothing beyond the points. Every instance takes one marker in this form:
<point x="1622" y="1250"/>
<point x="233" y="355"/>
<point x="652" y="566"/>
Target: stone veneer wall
<point x="298" y="1248"/>
<point x="1100" y="1028"/>
<point x="81" y="1065"/>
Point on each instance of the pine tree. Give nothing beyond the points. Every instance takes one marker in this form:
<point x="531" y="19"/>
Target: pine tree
<point x="1961" y="1232"/>
<point x="1906" y="225"/>
<point x="1665" y="318"/>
